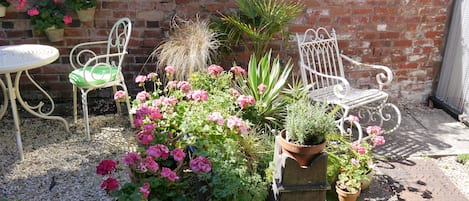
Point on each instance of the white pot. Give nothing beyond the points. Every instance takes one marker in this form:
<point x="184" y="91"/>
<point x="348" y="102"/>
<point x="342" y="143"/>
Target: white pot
<point x="3" y="10"/>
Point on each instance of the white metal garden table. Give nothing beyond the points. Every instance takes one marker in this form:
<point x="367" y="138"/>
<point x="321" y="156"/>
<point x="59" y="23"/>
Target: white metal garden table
<point x="18" y="59"/>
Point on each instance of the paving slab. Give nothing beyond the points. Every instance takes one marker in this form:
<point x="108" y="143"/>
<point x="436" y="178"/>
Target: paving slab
<point x="426" y="132"/>
<point x="404" y="171"/>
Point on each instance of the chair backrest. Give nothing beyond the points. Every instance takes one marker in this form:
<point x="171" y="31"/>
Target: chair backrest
<point x="118" y="40"/>
<point x="319" y="51"/>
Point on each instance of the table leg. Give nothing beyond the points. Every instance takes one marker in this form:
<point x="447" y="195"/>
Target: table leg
<point x="16" y="117"/>
<point x="4" y="106"/>
<point x="38" y="107"/>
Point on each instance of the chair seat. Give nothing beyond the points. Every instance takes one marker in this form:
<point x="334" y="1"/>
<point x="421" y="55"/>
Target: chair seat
<point x="355" y="98"/>
<point x="95" y="76"/>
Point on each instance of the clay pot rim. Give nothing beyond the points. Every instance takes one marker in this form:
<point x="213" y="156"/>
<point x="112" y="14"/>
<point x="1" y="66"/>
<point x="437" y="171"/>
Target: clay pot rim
<point x="283" y="134"/>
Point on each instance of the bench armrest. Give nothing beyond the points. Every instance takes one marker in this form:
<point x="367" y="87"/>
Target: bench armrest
<point x="341" y="90"/>
<point x="383" y="78"/>
<point x="79" y="55"/>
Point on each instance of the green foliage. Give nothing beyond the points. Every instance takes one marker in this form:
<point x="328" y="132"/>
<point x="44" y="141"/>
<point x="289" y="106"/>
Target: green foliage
<point x="269" y="110"/>
<point x="80" y="4"/>
<point x="238" y="160"/>
<point x="296" y="90"/>
<point x="5" y="3"/>
<point x="50" y="14"/>
<point x="258" y="21"/>
<point x="308" y="123"/>
<point x="463" y="159"/>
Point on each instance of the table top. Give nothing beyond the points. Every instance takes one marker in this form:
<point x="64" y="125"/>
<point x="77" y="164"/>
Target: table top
<point x="15" y="58"/>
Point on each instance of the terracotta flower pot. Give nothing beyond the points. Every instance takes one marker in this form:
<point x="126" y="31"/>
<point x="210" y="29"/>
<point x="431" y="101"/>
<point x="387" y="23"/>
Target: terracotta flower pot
<point x="303" y="154"/>
<point x="345" y="195"/>
<point x="366" y="183"/>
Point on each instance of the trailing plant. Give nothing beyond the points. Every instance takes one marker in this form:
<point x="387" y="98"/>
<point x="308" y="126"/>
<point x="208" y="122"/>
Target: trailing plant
<point x="80" y="4"/>
<point x="258" y="21"/>
<point x="265" y="82"/>
<point x="189" y="48"/>
<point x="308" y="123"/>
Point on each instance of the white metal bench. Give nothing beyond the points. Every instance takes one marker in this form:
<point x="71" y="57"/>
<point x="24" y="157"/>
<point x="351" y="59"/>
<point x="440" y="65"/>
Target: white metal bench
<point x="321" y="65"/>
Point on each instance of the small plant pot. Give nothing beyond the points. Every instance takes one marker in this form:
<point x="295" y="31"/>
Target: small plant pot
<point x="345" y="195"/>
<point x="366" y="183"/>
<point x="86" y="15"/>
<point x="54" y="34"/>
<point x="3" y="10"/>
<point x="303" y="154"/>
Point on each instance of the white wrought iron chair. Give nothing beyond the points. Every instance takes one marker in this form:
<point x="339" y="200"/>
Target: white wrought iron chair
<point x="94" y="70"/>
<point x="321" y="65"/>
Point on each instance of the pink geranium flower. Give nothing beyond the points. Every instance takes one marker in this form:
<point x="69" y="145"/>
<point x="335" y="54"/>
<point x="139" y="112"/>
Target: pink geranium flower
<point x="198" y="95"/>
<point x="216" y="117"/>
<point x="373" y="130"/>
<point x="67" y="19"/>
<point x="158" y="151"/>
<point x="110" y="184"/>
<point x="237" y="70"/>
<point x="145" y="138"/>
<point x="150" y="164"/>
<point x="353" y="118"/>
<point x="261" y="88"/>
<point x="145" y="189"/>
<point x="152" y="76"/>
<point x="33" y="12"/>
<point x="140" y="79"/>
<point x="143" y="95"/>
<point x="169" y="174"/>
<point x="178" y="154"/>
<point x="184" y="86"/>
<point x="106" y="167"/>
<point x="200" y="164"/>
<point x="120" y="95"/>
<point x="378" y="140"/>
<point x="236" y="123"/>
<point x="169" y="69"/>
<point x="244" y="100"/>
<point x="234" y="92"/>
<point x="132" y="158"/>
<point x="214" y="69"/>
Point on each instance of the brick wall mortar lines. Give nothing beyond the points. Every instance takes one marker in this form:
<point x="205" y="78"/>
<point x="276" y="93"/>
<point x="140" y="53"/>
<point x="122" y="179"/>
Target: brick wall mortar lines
<point x="407" y="36"/>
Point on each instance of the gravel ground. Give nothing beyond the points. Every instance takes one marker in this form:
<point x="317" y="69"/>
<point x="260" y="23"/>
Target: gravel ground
<point x="61" y="166"/>
<point x="457" y="172"/>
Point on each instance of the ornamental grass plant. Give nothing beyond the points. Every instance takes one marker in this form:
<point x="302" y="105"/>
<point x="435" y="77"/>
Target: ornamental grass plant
<point x="190" y="47"/>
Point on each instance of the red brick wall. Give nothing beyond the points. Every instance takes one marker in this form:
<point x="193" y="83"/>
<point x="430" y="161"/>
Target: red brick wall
<point x="406" y="35"/>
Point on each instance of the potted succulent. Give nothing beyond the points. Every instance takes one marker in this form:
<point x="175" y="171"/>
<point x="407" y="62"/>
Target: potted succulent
<point x="85" y="9"/>
<point x="306" y="128"/>
<point x="50" y="17"/>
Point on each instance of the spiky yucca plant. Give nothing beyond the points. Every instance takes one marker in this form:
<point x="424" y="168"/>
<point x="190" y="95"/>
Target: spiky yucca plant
<point x="259" y="21"/>
<point x="189" y="48"/>
<point x="270" y="108"/>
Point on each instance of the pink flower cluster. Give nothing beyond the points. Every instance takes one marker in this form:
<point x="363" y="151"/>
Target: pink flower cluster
<point x="244" y="100"/>
<point x="184" y="86"/>
<point x="373" y="130"/>
<point x="201" y="165"/>
<point x="378" y="140"/>
<point x="356" y="146"/>
<point x="142" y="96"/>
<point x="198" y="95"/>
<point x="169" y="70"/>
<point x="214" y="69"/>
<point x="120" y="95"/>
<point x="353" y="118"/>
<point x="106" y="167"/>
<point x="216" y="117"/>
<point x="154" y="153"/>
<point x="238" y="71"/>
<point x="34" y="11"/>
<point x="236" y="123"/>
<point x="261" y="88"/>
<point x="145" y="189"/>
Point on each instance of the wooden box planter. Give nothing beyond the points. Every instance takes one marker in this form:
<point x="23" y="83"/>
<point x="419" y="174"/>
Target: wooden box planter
<point x="292" y="182"/>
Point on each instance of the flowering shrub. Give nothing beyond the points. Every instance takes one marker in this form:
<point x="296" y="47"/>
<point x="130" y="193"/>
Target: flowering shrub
<point x="46" y="13"/>
<point x="353" y="161"/>
<point x="193" y="145"/>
